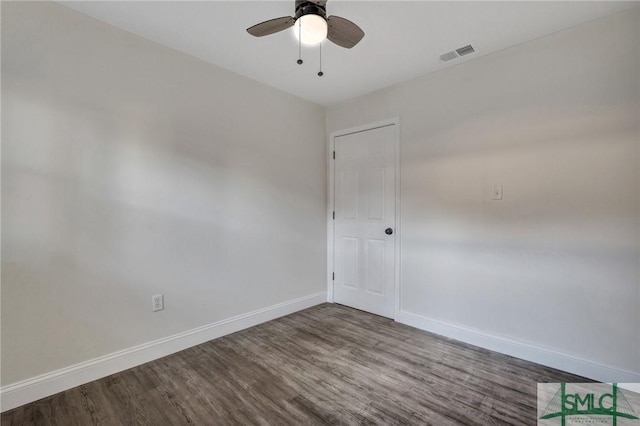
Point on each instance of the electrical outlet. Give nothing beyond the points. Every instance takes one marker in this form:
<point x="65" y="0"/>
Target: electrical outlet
<point x="157" y="302"/>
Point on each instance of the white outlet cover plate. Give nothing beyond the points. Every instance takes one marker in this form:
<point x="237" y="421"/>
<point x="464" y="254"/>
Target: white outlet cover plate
<point x="157" y="302"/>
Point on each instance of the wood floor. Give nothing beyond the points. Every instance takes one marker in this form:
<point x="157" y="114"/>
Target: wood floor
<point x="325" y="365"/>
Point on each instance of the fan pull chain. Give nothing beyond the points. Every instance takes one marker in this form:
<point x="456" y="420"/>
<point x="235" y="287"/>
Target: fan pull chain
<point x="320" y="73"/>
<point x="300" y="42"/>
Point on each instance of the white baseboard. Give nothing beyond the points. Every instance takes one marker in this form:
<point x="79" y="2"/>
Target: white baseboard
<point x="17" y="394"/>
<point x="571" y="364"/>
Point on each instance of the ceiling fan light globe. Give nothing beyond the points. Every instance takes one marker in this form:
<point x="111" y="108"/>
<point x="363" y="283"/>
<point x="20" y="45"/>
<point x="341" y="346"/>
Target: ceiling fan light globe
<point x="311" y="29"/>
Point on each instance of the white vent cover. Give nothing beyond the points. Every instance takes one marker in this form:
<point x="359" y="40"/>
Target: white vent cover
<point x="456" y="53"/>
<point x="448" y="56"/>
<point x="465" y="50"/>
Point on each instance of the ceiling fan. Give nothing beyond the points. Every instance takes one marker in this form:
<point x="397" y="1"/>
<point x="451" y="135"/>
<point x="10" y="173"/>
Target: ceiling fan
<point x="313" y="25"/>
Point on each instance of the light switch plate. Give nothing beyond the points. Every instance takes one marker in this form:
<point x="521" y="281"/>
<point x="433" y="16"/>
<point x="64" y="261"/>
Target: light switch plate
<point x="497" y="192"/>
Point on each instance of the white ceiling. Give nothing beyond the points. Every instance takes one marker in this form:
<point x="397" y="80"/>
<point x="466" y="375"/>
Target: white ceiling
<point x="403" y="38"/>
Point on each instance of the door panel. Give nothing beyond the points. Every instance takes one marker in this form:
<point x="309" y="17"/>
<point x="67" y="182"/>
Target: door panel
<point x="349" y="193"/>
<point x="375" y="266"/>
<point x="350" y="261"/>
<point x="364" y="208"/>
<point x="376" y="193"/>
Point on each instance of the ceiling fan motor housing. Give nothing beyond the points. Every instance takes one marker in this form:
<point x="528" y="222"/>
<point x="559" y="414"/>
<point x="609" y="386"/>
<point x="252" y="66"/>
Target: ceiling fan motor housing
<point x="304" y="7"/>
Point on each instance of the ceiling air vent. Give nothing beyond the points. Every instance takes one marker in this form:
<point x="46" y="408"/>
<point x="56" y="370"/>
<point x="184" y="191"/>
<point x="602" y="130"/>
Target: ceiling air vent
<point x="466" y="50"/>
<point x="461" y="51"/>
<point x="448" y="56"/>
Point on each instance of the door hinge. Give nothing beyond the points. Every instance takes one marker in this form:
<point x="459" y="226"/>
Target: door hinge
<point x="334" y="215"/>
<point x="334" y="155"/>
<point x="333" y="276"/>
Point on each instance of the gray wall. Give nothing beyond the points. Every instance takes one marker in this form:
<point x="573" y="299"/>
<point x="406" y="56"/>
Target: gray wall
<point x="129" y="169"/>
<point x="556" y="122"/>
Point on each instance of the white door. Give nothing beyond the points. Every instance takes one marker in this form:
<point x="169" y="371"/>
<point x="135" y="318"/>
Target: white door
<point x="365" y="222"/>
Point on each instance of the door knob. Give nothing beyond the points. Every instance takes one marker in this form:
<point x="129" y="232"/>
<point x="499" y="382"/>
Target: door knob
<point x="388" y="231"/>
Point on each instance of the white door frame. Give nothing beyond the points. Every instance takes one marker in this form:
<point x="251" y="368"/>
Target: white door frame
<point x="395" y="121"/>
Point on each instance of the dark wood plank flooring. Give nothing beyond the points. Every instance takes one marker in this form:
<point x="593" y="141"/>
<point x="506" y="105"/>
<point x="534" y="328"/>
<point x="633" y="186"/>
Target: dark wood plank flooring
<point x="325" y="365"/>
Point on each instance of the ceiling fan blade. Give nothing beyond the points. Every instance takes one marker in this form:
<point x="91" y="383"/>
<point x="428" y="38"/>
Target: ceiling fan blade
<point x="271" y="26"/>
<point x="343" y="32"/>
